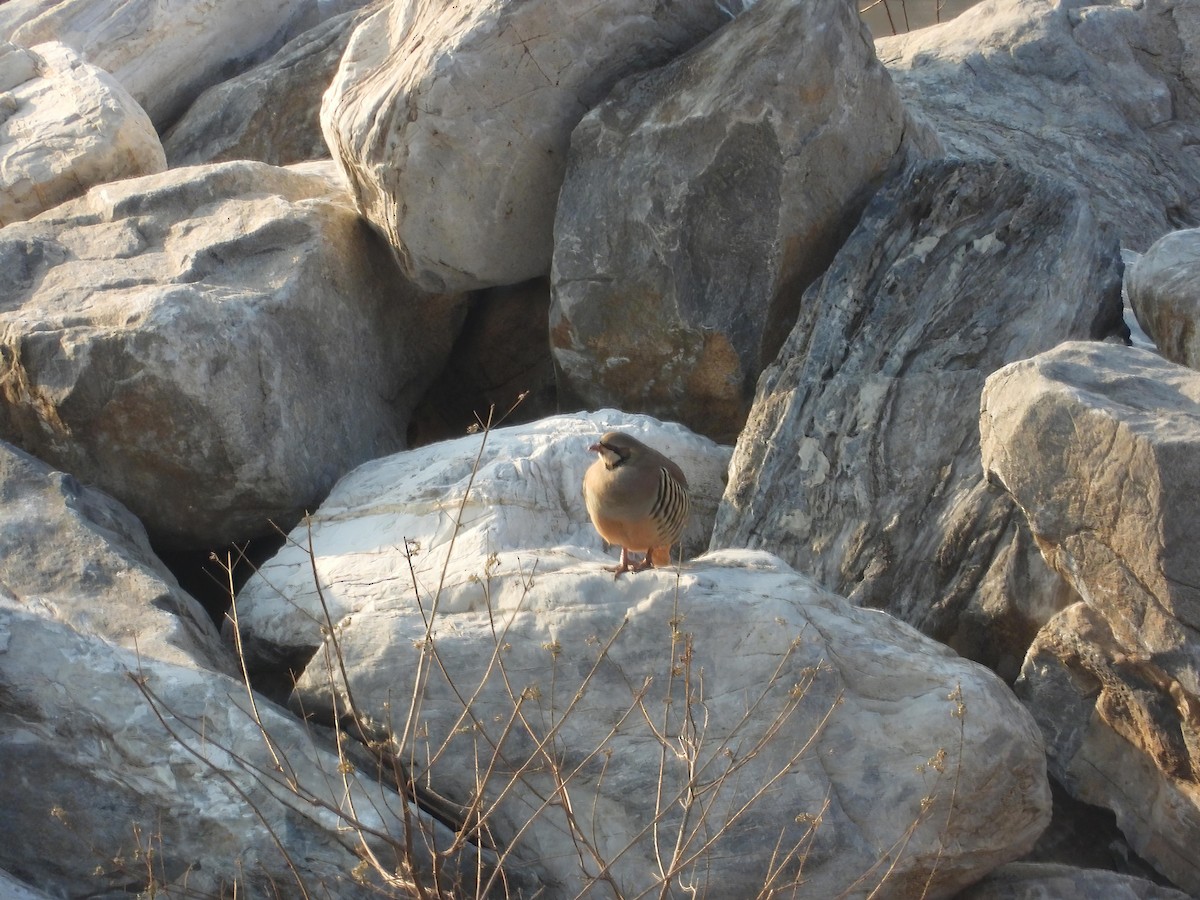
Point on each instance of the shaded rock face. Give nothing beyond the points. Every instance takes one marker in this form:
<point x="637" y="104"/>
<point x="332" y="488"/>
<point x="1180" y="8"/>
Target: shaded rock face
<point x="699" y="202"/>
<point x="1163" y="287"/>
<point x="820" y="733"/>
<point x="76" y="556"/>
<point x="65" y="126"/>
<point x="165" y="54"/>
<point x="1100" y="447"/>
<point x="860" y="460"/>
<point x="213" y="346"/>
<point x="500" y="364"/>
<point x="99" y="774"/>
<point x="1104" y="96"/>
<point x="270" y="113"/>
<point x="452" y="123"/>
<point x="1024" y="881"/>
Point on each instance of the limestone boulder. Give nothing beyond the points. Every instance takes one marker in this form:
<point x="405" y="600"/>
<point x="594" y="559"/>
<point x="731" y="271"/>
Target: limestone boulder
<point x="129" y="773"/>
<point x="213" y="346"/>
<point x="453" y="122"/>
<point x="464" y="510"/>
<point x="248" y="117"/>
<point x="77" y="557"/>
<point x="1163" y="287"/>
<point x="700" y="200"/>
<point x="65" y="125"/>
<point x="164" y="53"/>
<point x="1103" y="95"/>
<point x="860" y="461"/>
<point x="1100" y="447"/>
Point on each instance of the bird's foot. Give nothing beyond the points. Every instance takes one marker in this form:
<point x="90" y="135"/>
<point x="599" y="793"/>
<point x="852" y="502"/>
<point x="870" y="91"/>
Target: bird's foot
<point x="625" y="566"/>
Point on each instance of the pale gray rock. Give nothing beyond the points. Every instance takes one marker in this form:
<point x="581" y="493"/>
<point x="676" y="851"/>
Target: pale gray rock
<point x="702" y="199"/>
<point x="1103" y="95"/>
<point x="230" y="799"/>
<point x="453" y="121"/>
<point x="1163" y="287"/>
<point x="164" y="53"/>
<point x="65" y="126"/>
<point x="270" y="113"/>
<point x="520" y="494"/>
<point x="74" y="555"/>
<point x="1100" y="447"/>
<point x="860" y="461"/>
<point x="821" y="734"/>
<point x="1044" y="881"/>
<point x="213" y="346"/>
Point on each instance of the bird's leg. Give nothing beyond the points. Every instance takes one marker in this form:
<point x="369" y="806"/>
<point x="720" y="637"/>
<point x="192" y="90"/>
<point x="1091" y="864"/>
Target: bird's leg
<point x="647" y="563"/>
<point x="625" y="565"/>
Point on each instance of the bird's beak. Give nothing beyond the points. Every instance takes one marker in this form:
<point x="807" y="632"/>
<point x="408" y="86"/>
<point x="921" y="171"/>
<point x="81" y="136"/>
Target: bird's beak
<point x="596" y="448"/>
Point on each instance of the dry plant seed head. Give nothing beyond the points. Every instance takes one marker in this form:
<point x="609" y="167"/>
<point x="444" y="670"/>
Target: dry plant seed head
<point x="637" y="499"/>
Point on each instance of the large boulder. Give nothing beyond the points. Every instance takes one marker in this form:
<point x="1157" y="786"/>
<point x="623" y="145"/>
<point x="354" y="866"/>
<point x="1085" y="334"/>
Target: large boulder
<point x="720" y="727"/>
<point x="519" y="492"/>
<point x="1100" y="447"/>
<point x="702" y="199"/>
<point x="164" y="53"/>
<point x="1103" y="95"/>
<point x="246" y="117"/>
<point x="860" y="461"/>
<point x="213" y="346"/>
<point x="128" y="773"/>
<point x="65" y="126"/>
<point x="1163" y="287"/>
<point x="453" y="121"/>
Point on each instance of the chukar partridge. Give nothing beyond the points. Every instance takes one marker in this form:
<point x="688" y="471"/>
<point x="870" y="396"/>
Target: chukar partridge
<point x="637" y="499"/>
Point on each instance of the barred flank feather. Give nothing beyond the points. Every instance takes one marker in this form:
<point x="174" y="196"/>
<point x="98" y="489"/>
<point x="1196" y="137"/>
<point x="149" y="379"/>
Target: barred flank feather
<point x="670" y="510"/>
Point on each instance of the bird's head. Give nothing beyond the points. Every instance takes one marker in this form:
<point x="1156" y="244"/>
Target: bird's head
<point x="616" y="448"/>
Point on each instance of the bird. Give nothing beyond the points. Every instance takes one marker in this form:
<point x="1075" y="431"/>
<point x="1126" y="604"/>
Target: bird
<point x="637" y="499"/>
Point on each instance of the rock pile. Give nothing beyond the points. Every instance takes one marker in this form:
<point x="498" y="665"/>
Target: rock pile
<point x="935" y="627"/>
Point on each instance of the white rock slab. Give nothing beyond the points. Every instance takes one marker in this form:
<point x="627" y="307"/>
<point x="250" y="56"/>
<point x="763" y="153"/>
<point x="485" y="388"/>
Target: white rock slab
<point x="65" y="125"/>
<point x="521" y="510"/>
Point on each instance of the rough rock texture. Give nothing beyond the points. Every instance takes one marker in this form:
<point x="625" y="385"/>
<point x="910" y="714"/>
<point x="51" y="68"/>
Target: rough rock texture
<point x="270" y="113"/>
<point x="165" y="53"/>
<point x="76" y="556"/>
<point x="844" y="728"/>
<point x="1121" y="732"/>
<point x="1163" y="288"/>
<point x="95" y="780"/>
<point x="524" y="506"/>
<point x="701" y="200"/>
<point x="1039" y="881"/>
<point x="860" y="461"/>
<point x="213" y="346"/>
<point x="1104" y="95"/>
<point x="825" y="739"/>
<point x="1100" y="447"/>
<point x="500" y="355"/>
<point x="453" y="121"/>
<point x="65" y="126"/>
